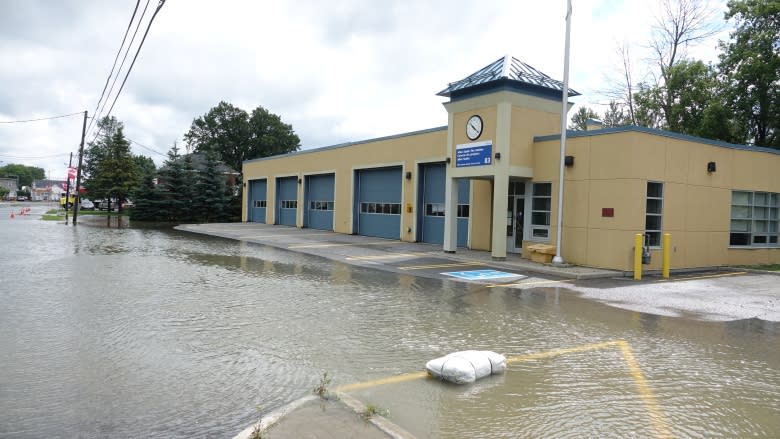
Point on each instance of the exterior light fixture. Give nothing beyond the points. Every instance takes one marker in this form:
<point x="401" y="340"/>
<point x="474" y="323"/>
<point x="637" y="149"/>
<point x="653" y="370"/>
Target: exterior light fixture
<point x="448" y="160"/>
<point x="300" y="180"/>
<point x="568" y="160"/>
<point x="711" y="167"/>
<point x="498" y="156"/>
<point x="408" y="175"/>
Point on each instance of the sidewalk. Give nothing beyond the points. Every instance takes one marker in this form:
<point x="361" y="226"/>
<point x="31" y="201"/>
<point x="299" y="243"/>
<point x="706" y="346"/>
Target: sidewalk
<point x="364" y="250"/>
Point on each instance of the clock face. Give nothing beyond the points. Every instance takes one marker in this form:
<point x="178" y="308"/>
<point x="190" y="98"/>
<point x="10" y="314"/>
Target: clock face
<point x="474" y="127"/>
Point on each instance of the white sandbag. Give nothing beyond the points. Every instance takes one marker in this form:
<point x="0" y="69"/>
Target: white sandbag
<point x="466" y="366"/>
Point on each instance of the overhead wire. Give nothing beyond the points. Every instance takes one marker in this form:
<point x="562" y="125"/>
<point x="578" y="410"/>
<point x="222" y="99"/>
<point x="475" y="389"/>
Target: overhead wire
<point x="116" y="58"/>
<point x="137" y="52"/>
<point x="121" y="65"/>
<point x="42" y="118"/>
<point x="146" y="147"/>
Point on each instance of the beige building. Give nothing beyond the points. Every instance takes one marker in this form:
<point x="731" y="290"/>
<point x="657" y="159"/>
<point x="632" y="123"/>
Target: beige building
<point x="489" y="181"/>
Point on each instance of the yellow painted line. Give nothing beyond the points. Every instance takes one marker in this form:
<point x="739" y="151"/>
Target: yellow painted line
<point x="526" y="284"/>
<point x="654" y="411"/>
<point x="458" y="264"/>
<point x="709" y="276"/>
<point x="659" y="422"/>
<point x="344" y="244"/>
<point x="390" y="256"/>
<point x="276" y="235"/>
<point x="383" y="381"/>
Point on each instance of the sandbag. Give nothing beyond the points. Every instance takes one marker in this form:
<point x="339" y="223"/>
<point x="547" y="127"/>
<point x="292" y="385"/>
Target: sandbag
<point x="466" y="366"/>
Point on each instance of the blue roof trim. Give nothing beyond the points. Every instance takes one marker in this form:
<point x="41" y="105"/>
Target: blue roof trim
<point x="507" y="85"/>
<point x="656" y="132"/>
<point x="344" y="145"/>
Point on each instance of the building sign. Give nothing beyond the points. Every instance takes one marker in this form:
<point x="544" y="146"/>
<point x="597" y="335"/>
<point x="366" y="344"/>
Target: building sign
<point x="474" y="154"/>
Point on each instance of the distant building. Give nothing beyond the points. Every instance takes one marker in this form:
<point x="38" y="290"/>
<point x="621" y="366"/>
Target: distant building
<point x="10" y="184"/>
<point x="489" y="180"/>
<point x="47" y="190"/>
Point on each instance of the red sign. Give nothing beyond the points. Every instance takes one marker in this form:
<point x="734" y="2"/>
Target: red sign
<point x="71" y="173"/>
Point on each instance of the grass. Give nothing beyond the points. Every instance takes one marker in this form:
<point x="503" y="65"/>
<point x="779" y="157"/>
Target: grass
<point x="59" y="214"/>
<point x="765" y="267"/>
<point x="373" y="410"/>
<point x="322" y="388"/>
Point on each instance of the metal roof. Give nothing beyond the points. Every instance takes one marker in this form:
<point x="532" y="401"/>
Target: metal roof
<point x="507" y="69"/>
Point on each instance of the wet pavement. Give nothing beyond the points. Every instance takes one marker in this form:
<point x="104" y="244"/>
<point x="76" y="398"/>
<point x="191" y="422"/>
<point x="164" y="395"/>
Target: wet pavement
<point x="716" y="295"/>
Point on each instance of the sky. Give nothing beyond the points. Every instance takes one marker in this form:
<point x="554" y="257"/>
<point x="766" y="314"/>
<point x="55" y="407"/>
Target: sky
<point x="336" y="70"/>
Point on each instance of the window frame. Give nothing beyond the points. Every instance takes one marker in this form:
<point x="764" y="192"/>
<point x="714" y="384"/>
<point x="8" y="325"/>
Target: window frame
<point x="534" y="226"/>
<point x="759" y="219"/>
<point x="653" y="236"/>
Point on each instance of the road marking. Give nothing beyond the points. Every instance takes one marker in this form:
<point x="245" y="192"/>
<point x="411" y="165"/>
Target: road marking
<point x="709" y="276"/>
<point x="424" y="267"/>
<point x="525" y="284"/>
<point x="344" y="244"/>
<point x="659" y="422"/>
<point x="279" y="235"/>
<point x="389" y="256"/>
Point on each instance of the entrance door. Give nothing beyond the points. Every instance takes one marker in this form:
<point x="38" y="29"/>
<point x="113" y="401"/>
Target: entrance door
<point x="515" y="217"/>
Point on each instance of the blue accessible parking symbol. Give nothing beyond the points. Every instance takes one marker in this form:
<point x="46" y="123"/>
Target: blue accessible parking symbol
<point x="482" y="274"/>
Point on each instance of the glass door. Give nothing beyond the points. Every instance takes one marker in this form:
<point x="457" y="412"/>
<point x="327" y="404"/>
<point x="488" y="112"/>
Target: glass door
<point x="515" y="217"/>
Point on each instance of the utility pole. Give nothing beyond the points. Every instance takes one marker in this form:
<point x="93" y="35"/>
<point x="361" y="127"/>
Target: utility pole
<point x="67" y="188"/>
<point x="77" y="204"/>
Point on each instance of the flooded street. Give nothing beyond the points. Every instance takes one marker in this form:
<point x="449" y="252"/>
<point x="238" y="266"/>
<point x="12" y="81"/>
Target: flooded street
<point x="138" y="332"/>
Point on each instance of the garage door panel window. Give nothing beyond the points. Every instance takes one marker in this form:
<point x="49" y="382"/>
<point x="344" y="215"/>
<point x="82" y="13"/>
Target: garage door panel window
<point x="381" y="208"/>
<point x="289" y="204"/>
<point x="463" y="210"/>
<point x="754" y="219"/>
<point x="321" y="205"/>
<point x="260" y="203"/>
<point x="434" y="209"/>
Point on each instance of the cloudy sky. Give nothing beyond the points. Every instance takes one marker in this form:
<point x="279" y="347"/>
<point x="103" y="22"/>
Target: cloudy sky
<point x="337" y="70"/>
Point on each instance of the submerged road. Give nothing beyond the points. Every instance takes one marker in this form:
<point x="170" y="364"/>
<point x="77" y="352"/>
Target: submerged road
<point x="712" y="295"/>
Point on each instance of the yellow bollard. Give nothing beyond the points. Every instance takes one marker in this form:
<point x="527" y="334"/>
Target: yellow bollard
<point x="638" y="256"/>
<point x="667" y="256"/>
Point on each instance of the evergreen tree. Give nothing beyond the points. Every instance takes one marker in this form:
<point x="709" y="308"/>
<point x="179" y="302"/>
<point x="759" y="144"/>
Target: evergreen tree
<point x="211" y="201"/>
<point x="150" y="204"/>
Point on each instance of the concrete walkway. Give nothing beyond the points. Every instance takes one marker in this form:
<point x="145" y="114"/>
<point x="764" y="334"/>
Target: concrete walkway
<point x="368" y="251"/>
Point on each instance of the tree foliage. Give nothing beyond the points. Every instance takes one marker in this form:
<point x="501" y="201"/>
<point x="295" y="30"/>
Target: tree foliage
<point x="750" y="63"/>
<point x="234" y="135"/>
<point x="109" y="167"/>
<point x="25" y="174"/>
<point x="579" y="120"/>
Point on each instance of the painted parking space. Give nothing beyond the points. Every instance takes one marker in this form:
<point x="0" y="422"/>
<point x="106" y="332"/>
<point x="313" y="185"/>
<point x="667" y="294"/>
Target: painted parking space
<point x="656" y="419"/>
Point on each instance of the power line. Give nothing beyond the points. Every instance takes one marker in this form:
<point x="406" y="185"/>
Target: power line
<point x="127" y="31"/>
<point x="137" y="52"/>
<point x="41" y="118"/>
<point x="146" y="147"/>
<point x="121" y="65"/>
<point x="30" y="157"/>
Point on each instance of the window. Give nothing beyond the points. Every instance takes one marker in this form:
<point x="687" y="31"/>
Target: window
<point x="289" y="204"/>
<point x="654" y="213"/>
<point x="541" y="203"/>
<point x="434" y="209"/>
<point x="321" y="205"/>
<point x="259" y="203"/>
<point x="754" y="219"/>
<point x="381" y="208"/>
<point x="463" y="210"/>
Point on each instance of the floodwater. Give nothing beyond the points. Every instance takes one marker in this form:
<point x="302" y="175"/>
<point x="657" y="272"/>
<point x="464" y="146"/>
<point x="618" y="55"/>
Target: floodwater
<point x="142" y="332"/>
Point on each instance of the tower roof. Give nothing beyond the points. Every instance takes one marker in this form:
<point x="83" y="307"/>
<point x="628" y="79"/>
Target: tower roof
<point x="510" y="72"/>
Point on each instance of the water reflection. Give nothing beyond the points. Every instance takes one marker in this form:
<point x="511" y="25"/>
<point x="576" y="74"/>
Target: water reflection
<point x="132" y="332"/>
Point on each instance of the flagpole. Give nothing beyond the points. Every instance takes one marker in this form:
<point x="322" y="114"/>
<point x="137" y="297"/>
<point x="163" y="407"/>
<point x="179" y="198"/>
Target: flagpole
<point x="558" y="259"/>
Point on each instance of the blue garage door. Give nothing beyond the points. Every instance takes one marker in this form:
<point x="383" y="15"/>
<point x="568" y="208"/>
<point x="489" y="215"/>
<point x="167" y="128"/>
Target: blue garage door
<point x="286" y="200"/>
<point x="377" y="207"/>
<point x="257" y="201"/>
<point x="319" y="202"/>
<point x="430" y="211"/>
